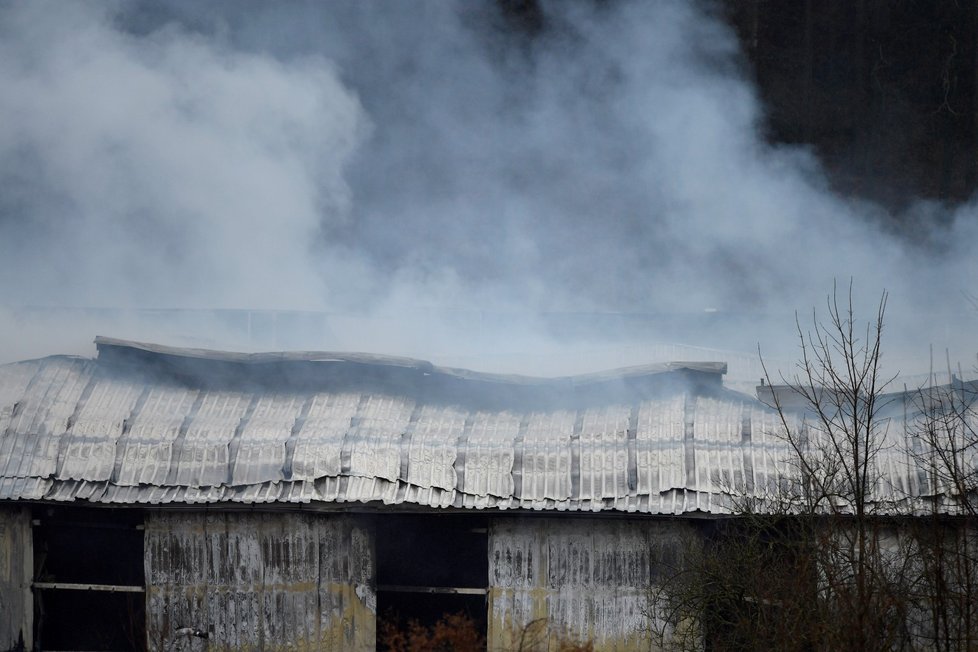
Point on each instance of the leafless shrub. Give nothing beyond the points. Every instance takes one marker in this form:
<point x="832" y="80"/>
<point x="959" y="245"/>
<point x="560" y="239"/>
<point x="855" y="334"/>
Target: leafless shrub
<point x="818" y="559"/>
<point x="452" y="633"/>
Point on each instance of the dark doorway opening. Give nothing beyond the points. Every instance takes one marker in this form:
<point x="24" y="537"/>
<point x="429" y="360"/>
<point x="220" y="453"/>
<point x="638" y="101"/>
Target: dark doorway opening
<point x="432" y="577"/>
<point x="89" y="587"/>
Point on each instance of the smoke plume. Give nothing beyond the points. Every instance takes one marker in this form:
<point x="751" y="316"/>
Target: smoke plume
<point x="428" y="179"/>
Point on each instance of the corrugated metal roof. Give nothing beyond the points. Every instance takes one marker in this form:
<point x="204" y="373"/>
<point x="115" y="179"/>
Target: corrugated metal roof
<point x="140" y="426"/>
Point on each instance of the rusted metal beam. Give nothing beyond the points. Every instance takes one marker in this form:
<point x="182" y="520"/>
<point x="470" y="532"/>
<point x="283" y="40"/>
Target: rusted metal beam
<point x="70" y="586"/>
<point x="400" y="588"/>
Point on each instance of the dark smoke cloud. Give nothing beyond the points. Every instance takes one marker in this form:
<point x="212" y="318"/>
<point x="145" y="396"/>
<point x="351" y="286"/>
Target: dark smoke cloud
<point x="406" y="159"/>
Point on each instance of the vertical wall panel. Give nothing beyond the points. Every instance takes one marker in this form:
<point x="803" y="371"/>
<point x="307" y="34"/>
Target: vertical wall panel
<point x="575" y="579"/>
<point x="16" y="570"/>
<point x="274" y="581"/>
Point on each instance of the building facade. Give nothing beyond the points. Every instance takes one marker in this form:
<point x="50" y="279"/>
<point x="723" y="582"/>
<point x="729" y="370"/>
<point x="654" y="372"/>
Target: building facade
<point x="154" y="496"/>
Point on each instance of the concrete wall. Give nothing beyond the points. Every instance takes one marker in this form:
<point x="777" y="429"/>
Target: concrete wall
<point x="301" y="581"/>
<point x="16" y="572"/>
<point x="280" y="581"/>
<point x="576" y="579"/>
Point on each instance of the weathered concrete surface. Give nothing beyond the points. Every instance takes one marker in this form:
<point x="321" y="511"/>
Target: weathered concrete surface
<point x="576" y="579"/>
<point x="16" y="570"/>
<point x="260" y="581"/>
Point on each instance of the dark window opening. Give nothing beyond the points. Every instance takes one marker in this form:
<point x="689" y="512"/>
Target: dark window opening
<point x="88" y="579"/>
<point x="432" y="572"/>
<point x="96" y="620"/>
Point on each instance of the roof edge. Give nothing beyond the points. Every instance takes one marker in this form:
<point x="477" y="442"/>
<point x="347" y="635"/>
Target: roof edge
<point x="120" y="346"/>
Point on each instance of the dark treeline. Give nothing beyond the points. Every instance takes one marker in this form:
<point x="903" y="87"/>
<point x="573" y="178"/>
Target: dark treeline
<point x="884" y="91"/>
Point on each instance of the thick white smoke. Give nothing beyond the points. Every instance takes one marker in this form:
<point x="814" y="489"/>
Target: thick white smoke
<point x="435" y="181"/>
<point x="165" y="169"/>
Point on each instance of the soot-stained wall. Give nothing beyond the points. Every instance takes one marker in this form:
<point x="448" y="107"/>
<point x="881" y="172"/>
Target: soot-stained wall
<point x="16" y="570"/>
<point x="578" y="579"/>
<point x="279" y="581"/>
<point x="307" y="581"/>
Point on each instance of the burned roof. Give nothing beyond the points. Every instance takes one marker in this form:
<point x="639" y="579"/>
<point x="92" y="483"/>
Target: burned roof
<point x="148" y="424"/>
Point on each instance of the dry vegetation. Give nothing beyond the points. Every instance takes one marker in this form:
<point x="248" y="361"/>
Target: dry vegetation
<point x="827" y="561"/>
<point x="458" y="633"/>
<point x="452" y="633"/>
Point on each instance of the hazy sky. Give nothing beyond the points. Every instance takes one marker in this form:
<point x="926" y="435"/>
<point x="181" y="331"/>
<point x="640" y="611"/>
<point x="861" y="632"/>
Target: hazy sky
<point x="385" y="158"/>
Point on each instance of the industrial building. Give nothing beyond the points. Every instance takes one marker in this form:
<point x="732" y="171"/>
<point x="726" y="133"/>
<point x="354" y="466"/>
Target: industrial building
<point x="288" y="500"/>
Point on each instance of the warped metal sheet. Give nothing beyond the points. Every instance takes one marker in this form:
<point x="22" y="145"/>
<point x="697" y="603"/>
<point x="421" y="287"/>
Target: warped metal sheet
<point x="770" y="455"/>
<point x="360" y="489"/>
<point x="433" y="446"/>
<point x="24" y="488"/>
<point x="261" y="439"/>
<point x="68" y="490"/>
<point x="14" y="381"/>
<point x="893" y="467"/>
<point x="718" y="433"/>
<point x="147" y="449"/>
<point x="267" y="492"/>
<point x="203" y="458"/>
<point x="660" y="449"/>
<point x="375" y="441"/>
<point x="29" y="447"/>
<point x="489" y="453"/>
<point x="319" y="442"/>
<point x="431" y="496"/>
<point x="328" y="489"/>
<point x="545" y="469"/>
<point x="603" y="452"/>
<point x="274" y="492"/>
<point x="89" y="452"/>
<point x="51" y="396"/>
<point x="299" y="492"/>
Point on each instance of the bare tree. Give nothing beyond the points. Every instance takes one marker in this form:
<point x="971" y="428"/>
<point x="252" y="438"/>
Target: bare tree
<point x="868" y="538"/>
<point x="943" y="445"/>
<point x="839" y="389"/>
<point x="813" y="560"/>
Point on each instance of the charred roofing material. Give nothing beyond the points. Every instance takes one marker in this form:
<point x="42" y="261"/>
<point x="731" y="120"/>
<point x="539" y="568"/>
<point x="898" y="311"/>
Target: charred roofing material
<point x="136" y="354"/>
<point x="148" y="424"/>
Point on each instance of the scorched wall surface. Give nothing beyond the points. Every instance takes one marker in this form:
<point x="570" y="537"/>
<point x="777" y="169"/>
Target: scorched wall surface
<point x="16" y="569"/>
<point x="553" y="580"/>
<point x="260" y="581"/>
